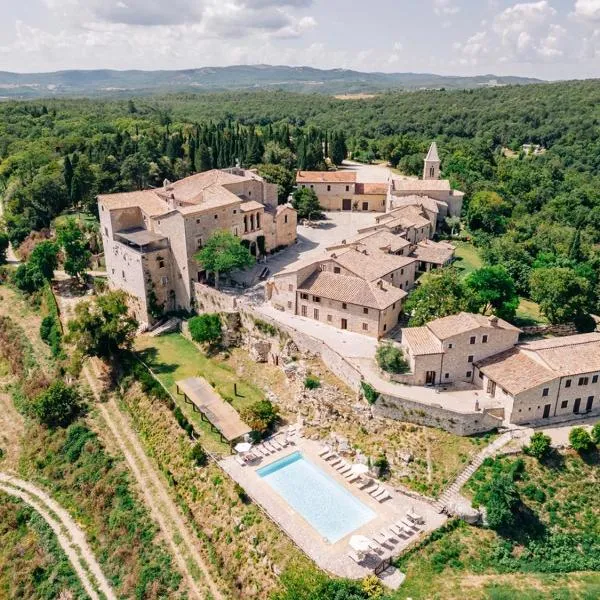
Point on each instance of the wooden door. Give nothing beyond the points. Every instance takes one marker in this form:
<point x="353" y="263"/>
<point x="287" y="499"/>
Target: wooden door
<point x="346" y="204"/>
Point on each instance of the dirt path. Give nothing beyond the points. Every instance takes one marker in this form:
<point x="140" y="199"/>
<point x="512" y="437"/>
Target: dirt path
<point x="69" y="535"/>
<point x="183" y="543"/>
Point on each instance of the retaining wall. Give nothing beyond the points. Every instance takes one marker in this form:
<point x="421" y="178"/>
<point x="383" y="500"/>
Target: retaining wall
<point x="402" y="409"/>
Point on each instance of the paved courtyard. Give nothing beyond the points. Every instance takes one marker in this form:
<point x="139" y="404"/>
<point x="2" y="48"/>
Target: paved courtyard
<point x="312" y="241"/>
<point x="332" y="557"/>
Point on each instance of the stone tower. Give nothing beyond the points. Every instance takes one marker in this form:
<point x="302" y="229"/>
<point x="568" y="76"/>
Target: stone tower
<point x="431" y="170"/>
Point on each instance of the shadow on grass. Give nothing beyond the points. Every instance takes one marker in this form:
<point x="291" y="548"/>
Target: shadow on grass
<point x="591" y="457"/>
<point x="553" y="460"/>
<point x="150" y="357"/>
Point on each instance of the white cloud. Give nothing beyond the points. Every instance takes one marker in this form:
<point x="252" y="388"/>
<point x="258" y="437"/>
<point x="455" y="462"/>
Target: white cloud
<point x="523" y="32"/>
<point x="445" y="7"/>
<point x="587" y="10"/>
<point x="398" y="46"/>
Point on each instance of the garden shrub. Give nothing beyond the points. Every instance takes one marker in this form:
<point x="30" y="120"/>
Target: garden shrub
<point x="369" y="392"/>
<point x="580" y="439"/>
<point x="206" y="328"/>
<point x="199" y="455"/>
<point x="312" y="382"/>
<point x="391" y="359"/>
<point x="539" y="445"/>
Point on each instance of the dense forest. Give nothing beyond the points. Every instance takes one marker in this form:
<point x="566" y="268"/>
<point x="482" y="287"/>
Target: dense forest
<point x="538" y="216"/>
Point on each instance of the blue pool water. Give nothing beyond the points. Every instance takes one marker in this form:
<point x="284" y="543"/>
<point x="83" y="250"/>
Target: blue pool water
<point x="325" y="504"/>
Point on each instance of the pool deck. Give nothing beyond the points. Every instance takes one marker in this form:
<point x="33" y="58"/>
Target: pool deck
<point x="332" y="558"/>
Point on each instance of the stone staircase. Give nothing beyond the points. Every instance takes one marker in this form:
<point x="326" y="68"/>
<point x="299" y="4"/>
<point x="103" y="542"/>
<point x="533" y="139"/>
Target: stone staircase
<point x="451" y="493"/>
<point x="168" y="327"/>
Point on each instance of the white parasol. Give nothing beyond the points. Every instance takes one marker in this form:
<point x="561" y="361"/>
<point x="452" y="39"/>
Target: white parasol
<point x="360" y="543"/>
<point x="242" y="447"/>
<point x="359" y="469"/>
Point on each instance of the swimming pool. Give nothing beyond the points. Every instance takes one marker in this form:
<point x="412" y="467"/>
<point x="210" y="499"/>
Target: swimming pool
<point x="331" y="509"/>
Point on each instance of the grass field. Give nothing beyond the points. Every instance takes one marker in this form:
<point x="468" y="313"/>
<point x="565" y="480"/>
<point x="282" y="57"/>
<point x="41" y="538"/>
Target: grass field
<point x="545" y="553"/>
<point x="173" y="357"/>
<point x="467" y="257"/>
<point x="529" y="313"/>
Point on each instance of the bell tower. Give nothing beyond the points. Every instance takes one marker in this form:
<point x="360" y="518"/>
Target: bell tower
<point x="431" y="169"/>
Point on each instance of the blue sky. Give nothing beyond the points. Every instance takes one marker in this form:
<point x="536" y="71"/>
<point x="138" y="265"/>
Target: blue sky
<point x="551" y="39"/>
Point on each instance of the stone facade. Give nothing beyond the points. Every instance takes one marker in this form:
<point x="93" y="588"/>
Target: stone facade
<point x="544" y="380"/>
<point x="444" y="351"/>
<point x="177" y="219"/>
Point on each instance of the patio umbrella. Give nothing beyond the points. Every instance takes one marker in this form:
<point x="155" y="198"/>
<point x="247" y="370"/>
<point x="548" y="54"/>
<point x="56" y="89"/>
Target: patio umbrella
<point x="360" y="543"/>
<point x="359" y="469"/>
<point x="242" y="447"/>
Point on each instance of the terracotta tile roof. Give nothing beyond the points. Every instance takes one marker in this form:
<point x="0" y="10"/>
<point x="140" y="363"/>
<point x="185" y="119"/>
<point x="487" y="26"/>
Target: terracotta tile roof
<point x="462" y="322"/>
<point x="383" y="239"/>
<point x="515" y="371"/>
<point x="251" y="205"/>
<point x="420" y="185"/>
<point x="569" y="355"/>
<point x="352" y="290"/>
<point x="437" y="253"/>
<point x="213" y="196"/>
<point x="421" y="341"/>
<point x="367" y="189"/>
<point x="147" y="201"/>
<point x="326" y="177"/>
<point x="190" y="189"/>
<point x="370" y="264"/>
<point x="414" y="200"/>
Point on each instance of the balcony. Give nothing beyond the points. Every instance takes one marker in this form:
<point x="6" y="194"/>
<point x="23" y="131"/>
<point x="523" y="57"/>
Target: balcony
<point x="141" y="240"/>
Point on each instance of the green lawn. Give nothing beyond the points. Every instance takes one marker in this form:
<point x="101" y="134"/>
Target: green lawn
<point x="467" y="257"/>
<point x="529" y="313"/>
<point x="173" y="357"/>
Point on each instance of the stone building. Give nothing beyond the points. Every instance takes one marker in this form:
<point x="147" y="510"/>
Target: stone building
<point x="339" y="190"/>
<point x="545" y="379"/>
<point x="445" y="350"/>
<point x="361" y="283"/>
<point x="353" y="288"/>
<point x="150" y="237"/>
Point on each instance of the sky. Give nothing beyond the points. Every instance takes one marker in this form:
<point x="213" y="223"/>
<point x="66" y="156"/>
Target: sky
<point x="549" y="39"/>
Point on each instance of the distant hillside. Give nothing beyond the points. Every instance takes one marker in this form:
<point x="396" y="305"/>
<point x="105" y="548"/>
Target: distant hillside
<point x="298" y="79"/>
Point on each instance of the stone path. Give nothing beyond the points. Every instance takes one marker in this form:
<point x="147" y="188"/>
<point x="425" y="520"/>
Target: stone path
<point x="69" y="535"/>
<point x="451" y="493"/>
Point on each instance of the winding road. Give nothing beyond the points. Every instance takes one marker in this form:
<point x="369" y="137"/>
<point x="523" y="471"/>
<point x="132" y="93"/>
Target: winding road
<point x="69" y="535"/>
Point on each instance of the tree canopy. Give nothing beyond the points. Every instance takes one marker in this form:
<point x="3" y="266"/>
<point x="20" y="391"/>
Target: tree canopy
<point x="103" y="327"/>
<point x="222" y="253"/>
<point x="306" y="203"/>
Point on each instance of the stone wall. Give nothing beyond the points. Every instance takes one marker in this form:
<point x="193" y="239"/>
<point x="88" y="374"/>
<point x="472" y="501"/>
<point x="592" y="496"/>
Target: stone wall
<point x="558" y="330"/>
<point x="208" y="299"/>
<point x="402" y="409"/>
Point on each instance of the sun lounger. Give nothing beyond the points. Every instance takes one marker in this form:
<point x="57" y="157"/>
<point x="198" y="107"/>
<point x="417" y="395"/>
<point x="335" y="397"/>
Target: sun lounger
<point x="403" y="529"/>
<point x="342" y="465"/>
<point x="273" y="442"/>
<point x="282" y="441"/>
<point x="408" y="524"/>
<point x="270" y="447"/>
<point x="366" y="484"/>
<point x="357" y="558"/>
<point x="324" y="451"/>
<point x="381" y="492"/>
<point x="336" y="461"/>
<point x="383" y="497"/>
<point x="397" y="530"/>
<point x="345" y="470"/>
<point x="375" y="490"/>
<point x="259" y="451"/>
<point x="327" y="456"/>
<point x="240" y="460"/>
<point x="352" y="476"/>
<point x="382" y="538"/>
<point x="376" y="547"/>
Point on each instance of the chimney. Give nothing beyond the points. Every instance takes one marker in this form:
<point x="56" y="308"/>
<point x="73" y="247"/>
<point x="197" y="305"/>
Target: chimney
<point x="493" y="319"/>
<point x="380" y="284"/>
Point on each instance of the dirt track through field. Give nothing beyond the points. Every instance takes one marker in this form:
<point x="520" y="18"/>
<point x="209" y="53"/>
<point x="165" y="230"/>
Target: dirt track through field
<point x="70" y="536"/>
<point x="183" y="543"/>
